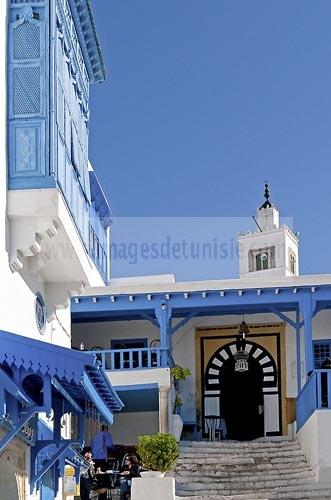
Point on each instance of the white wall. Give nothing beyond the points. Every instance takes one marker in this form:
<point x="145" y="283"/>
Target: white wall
<point x="92" y="334"/>
<point x="314" y="437"/>
<point x="282" y="239"/>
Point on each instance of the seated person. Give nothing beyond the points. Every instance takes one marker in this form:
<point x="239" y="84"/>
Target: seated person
<point x="88" y="481"/>
<point x="129" y="470"/>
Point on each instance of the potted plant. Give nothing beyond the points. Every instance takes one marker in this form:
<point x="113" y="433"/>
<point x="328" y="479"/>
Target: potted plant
<point x="178" y="374"/>
<point x="158" y="452"/>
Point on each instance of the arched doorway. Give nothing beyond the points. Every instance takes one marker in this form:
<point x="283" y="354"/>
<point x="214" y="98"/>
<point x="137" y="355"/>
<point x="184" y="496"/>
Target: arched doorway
<point x="241" y="400"/>
<point x="239" y="397"/>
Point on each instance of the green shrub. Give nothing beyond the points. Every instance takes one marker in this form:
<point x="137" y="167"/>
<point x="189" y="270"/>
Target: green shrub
<point x="158" y="451"/>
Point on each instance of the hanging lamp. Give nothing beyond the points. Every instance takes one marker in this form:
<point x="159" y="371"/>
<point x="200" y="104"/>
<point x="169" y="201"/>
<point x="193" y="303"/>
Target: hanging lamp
<point x="241" y="357"/>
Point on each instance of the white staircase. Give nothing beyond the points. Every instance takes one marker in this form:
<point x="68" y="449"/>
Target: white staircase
<point x="246" y="470"/>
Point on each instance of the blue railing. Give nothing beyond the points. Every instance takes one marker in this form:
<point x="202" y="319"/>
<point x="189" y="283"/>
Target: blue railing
<point x="315" y="395"/>
<point x="131" y="359"/>
<point x="88" y="222"/>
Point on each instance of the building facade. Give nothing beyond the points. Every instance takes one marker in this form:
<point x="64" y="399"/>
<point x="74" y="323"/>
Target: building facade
<point x="54" y="240"/>
<point x="256" y="347"/>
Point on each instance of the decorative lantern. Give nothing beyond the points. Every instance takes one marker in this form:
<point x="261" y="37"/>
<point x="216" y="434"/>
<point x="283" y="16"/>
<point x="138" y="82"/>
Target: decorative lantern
<point x="241" y="357"/>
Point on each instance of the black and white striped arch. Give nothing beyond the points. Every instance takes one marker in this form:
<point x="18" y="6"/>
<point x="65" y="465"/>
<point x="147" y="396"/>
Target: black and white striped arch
<point x="216" y="363"/>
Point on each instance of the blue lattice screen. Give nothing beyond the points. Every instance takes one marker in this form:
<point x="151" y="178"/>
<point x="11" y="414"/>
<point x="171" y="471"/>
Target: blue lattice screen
<point x="26" y="41"/>
<point x="26" y="86"/>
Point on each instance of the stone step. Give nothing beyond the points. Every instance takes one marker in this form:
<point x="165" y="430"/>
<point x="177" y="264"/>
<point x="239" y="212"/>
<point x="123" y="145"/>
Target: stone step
<point x="231" y="477"/>
<point x="216" y="453"/>
<point x="238" y="459"/>
<point x="246" y="485"/>
<point x="302" y="490"/>
<point x="240" y="444"/>
<point x="277" y="468"/>
<point x="246" y="471"/>
<point x="255" y="496"/>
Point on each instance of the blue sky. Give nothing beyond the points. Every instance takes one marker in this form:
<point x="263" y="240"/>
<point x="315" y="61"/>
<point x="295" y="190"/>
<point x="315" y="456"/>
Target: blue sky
<point x="204" y="100"/>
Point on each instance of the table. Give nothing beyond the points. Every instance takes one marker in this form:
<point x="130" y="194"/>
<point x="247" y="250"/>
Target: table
<point x="108" y="478"/>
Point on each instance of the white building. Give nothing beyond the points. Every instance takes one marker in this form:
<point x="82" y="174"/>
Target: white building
<point x="54" y="245"/>
<point x="54" y="235"/>
<point x="141" y="327"/>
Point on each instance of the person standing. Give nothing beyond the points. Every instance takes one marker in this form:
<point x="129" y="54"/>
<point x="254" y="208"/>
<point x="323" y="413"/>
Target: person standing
<point x="101" y="443"/>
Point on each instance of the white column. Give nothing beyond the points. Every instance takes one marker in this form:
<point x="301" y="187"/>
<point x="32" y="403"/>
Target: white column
<point x="163" y="409"/>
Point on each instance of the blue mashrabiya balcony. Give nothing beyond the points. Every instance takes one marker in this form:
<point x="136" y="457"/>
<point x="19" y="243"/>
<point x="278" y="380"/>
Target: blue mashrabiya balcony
<point x="53" y="57"/>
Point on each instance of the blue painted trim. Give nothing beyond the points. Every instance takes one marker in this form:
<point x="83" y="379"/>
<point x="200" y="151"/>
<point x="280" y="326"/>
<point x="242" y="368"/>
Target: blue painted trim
<point x="283" y="317"/>
<point x="135" y="387"/>
<point x="17" y="392"/>
<point x="56" y="383"/>
<point x="307" y="312"/>
<point x="86" y="31"/>
<point x="298" y="350"/>
<point x="184" y="321"/>
<point x="251" y="300"/>
<point x="63" y="447"/>
<point x="100" y="201"/>
<point x="150" y="319"/>
<point x="315" y="395"/>
<point x="132" y="359"/>
<point x="98" y="386"/>
<point x="17" y="426"/>
<point x="41" y="357"/>
<point x="102" y="407"/>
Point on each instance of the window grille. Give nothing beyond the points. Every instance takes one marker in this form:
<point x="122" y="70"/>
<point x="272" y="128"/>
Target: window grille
<point x="292" y="262"/>
<point x="27" y="90"/>
<point x="26" y="41"/>
<point x="322" y="350"/>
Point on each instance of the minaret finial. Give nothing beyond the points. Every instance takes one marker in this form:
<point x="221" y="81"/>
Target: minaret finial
<point x="267" y="203"/>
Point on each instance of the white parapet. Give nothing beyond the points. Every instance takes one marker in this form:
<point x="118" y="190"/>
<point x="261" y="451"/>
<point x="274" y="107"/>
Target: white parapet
<point x="153" y="488"/>
<point x="314" y="437"/>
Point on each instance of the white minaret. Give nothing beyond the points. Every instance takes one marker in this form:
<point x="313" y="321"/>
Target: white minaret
<point x="272" y="250"/>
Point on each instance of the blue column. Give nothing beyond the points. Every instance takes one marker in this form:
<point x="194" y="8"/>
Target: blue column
<point x="163" y="316"/>
<point x="298" y="345"/>
<point x="307" y="312"/>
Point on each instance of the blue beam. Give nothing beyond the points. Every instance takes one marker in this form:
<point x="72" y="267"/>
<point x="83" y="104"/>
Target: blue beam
<point x="18" y="425"/>
<point x="184" y="321"/>
<point x="214" y="302"/>
<point x="163" y="315"/>
<point x="14" y="389"/>
<point x="307" y="312"/>
<point x="283" y="317"/>
<point x="56" y="383"/>
<point x="62" y="449"/>
<point x="298" y="349"/>
<point x="150" y="319"/>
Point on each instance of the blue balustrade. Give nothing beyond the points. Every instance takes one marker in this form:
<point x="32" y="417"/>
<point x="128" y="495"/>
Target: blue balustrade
<point x="315" y="395"/>
<point x="132" y="359"/>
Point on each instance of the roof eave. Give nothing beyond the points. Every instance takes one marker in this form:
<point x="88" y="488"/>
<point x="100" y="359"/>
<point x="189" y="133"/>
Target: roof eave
<point x="86" y="30"/>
